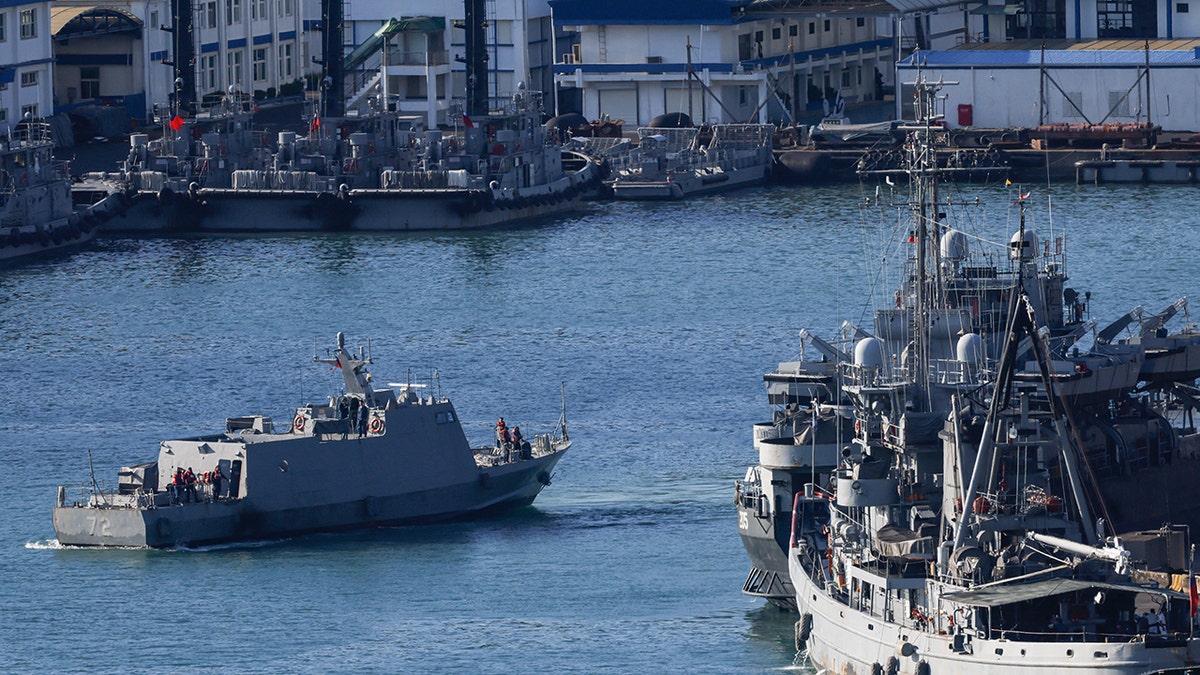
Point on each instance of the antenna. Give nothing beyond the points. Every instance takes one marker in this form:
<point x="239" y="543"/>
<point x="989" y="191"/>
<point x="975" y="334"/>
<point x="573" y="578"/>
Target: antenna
<point x="92" y="475"/>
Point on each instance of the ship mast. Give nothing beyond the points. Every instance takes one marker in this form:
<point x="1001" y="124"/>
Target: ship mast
<point x="923" y="179"/>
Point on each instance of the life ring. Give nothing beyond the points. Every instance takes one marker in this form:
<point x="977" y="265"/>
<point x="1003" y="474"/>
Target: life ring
<point x="377" y="425"/>
<point x="299" y="423"/>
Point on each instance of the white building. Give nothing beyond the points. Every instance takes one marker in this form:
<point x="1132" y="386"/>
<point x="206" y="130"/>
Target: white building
<point x="26" y="59"/>
<point x="119" y="52"/>
<point x="1082" y="62"/>
<point x="629" y="60"/>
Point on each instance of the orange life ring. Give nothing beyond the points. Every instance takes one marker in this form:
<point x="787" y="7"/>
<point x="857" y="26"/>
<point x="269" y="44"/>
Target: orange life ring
<point x="377" y="425"/>
<point x="299" y="422"/>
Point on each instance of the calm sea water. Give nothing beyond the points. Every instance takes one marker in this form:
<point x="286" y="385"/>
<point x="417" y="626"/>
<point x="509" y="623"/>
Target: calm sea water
<point x="660" y="319"/>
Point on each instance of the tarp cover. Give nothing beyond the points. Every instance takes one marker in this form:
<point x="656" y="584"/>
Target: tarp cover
<point x="1008" y="594"/>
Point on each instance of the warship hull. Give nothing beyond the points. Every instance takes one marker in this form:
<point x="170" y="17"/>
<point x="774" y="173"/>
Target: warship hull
<point x="839" y="640"/>
<point x="227" y="520"/>
<point x="230" y="210"/>
<point x="768" y="578"/>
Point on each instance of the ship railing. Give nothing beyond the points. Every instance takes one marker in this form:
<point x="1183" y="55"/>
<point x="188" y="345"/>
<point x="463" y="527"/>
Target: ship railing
<point x="30" y="133"/>
<point x="1084" y="631"/>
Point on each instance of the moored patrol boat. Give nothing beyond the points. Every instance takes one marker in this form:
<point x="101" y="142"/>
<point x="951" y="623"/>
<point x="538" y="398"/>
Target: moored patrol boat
<point x="367" y="457"/>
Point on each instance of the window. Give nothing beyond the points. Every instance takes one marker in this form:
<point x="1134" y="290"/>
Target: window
<point x="28" y="23"/>
<point x="235" y="68"/>
<point x="3" y="114"/>
<point x="812" y="27"/>
<point x="29" y="112"/>
<point x="258" y="9"/>
<point x="284" y="7"/>
<point x="775" y="33"/>
<point x="285" y="62"/>
<point x="3" y="26"/>
<point x="860" y="22"/>
<point x="259" y="65"/>
<point x="233" y="12"/>
<point x="794" y="29"/>
<point x="845" y="78"/>
<point x="742" y="95"/>
<point x="1181" y="8"/>
<point x="154" y="19"/>
<point x="208" y="72"/>
<point x="208" y="15"/>
<point x="1073" y="104"/>
<point x="826" y="25"/>
<point x="89" y="82"/>
<point x="1118" y="103"/>
<point x="29" y="78"/>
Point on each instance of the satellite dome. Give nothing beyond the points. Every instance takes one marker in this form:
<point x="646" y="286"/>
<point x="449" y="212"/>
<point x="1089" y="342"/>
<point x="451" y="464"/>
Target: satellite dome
<point x="869" y="352"/>
<point x="1023" y="249"/>
<point x="955" y="246"/>
<point x="969" y="348"/>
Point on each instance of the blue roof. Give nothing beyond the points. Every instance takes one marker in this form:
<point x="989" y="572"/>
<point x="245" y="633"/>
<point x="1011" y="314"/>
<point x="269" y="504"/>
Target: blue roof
<point x="1020" y="58"/>
<point x="640" y="12"/>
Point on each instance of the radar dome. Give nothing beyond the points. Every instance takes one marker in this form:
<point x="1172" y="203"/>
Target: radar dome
<point x="869" y="352"/>
<point x="955" y="246"/>
<point x="970" y="348"/>
<point x="1023" y="249"/>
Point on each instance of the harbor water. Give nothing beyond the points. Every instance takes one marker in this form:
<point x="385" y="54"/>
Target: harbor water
<point x="659" y="318"/>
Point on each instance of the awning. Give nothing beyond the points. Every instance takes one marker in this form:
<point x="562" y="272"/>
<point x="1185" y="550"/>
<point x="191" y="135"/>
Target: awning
<point x="1010" y="594"/>
<point x="75" y="22"/>
<point x="1007" y="10"/>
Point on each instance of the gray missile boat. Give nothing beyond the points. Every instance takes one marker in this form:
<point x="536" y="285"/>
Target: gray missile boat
<point x="366" y="457"/>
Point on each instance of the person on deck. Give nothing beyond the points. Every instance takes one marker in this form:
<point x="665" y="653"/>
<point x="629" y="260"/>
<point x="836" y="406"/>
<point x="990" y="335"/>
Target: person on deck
<point x="216" y="483"/>
<point x="364" y="413"/>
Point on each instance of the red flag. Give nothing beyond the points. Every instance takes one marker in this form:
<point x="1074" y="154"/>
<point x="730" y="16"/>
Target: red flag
<point x="176" y="123"/>
<point x="316" y="124"/>
<point x="337" y="362"/>
<point x="1195" y="598"/>
<point x="468" y="123"/>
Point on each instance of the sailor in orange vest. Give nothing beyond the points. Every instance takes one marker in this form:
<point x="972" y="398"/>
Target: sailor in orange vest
<point x="501" y="431"/>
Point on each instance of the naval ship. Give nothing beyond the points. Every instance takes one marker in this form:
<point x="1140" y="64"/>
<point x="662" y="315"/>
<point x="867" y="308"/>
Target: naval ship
<point x="37" y="213"/>
<point x="369" y="456"/>
<point x="1131" y="399"/>
<point x="360" y="167"/>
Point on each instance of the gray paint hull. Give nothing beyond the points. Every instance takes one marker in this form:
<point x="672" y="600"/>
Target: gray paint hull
<point x="191" y="524"/>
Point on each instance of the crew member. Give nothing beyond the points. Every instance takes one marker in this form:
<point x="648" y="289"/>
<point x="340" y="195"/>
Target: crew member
<point x="501" y="429"/>
<point x="516" y="437"/>
<point x="505" y="437"/>
<point x="364" y="413"/>
<point x="216" y="483"/>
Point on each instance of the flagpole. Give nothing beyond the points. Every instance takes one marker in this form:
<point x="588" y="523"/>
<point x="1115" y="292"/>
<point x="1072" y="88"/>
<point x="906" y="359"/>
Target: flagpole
<point x="1191" y="592"/>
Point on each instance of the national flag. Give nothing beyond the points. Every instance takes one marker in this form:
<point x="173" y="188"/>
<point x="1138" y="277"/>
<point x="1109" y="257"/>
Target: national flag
<point x="176" y="123"/>
<point x="337" y="362"/>
<point x="316" y="124"/>
<point x="467" y="122"/>
<point x="1195" y="598"/>
<point x="1026" y="195"/>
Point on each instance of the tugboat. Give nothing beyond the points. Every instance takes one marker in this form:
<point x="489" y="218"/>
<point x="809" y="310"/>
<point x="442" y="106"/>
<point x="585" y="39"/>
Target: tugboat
<point x="958" y="532"/>
<point x="37" y="213"/>
<point x="369" y="456"/>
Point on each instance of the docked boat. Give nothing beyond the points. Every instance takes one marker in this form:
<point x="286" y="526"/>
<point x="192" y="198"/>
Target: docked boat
<point x="1126" y="419"/>
<point x="362" y="168"/>
<point x="366" y="456"/>
<point x="962" y="529"/>
<point x="674" y="163"/>
<point x="37" y="210"/>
